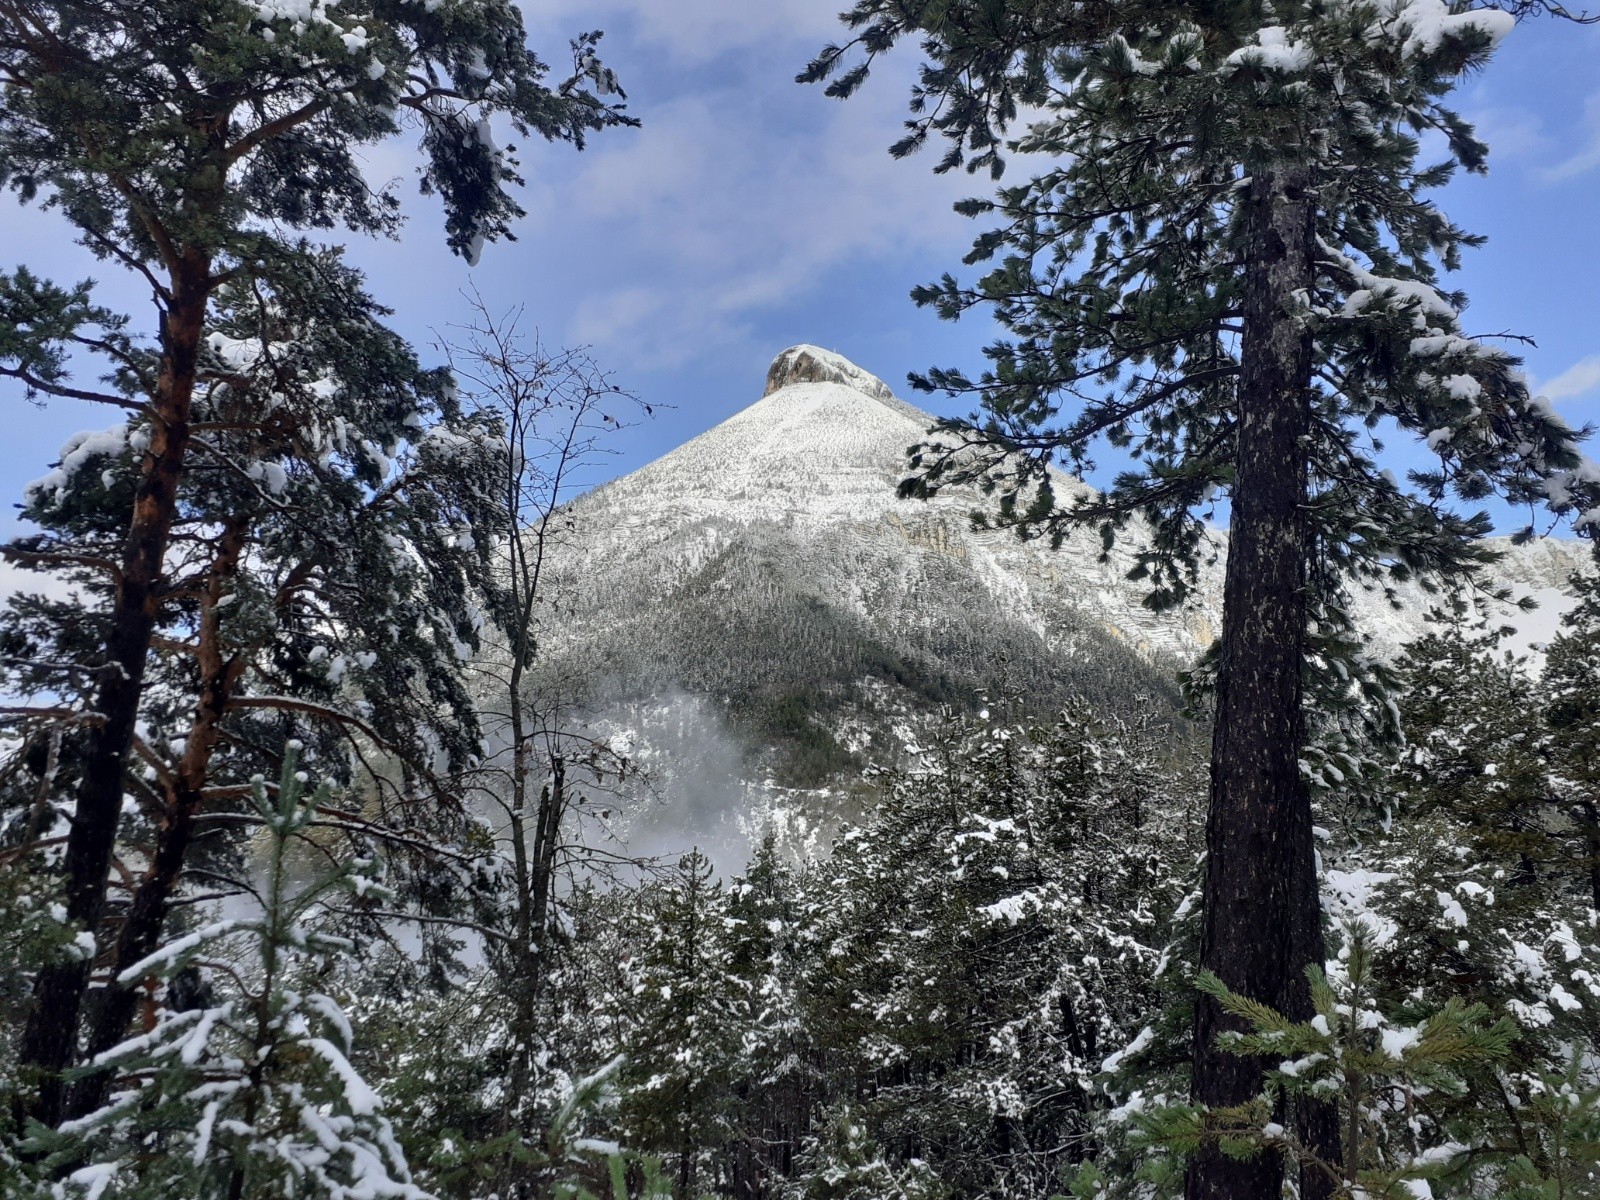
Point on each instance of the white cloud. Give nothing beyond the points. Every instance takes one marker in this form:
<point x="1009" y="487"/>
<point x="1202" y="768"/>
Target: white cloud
<point x="1512" y="134"/>
<point x="697" y="31"/>
<point x="1587" y="157"/>
<point x="605" y="318"/>
<point x="1581" y="377"/>
<point x="15" y="578"/>
<point x="709" y="215"/>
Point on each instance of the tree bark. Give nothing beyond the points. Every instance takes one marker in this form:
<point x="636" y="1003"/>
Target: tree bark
<point x="50" y="1036"/>
<point x="552" y="807"/>
<point x="1591" y="839"/>
<point x="112" y="1007"/>
<point x="1261" y="920"/>
<point x="523" y="953"/>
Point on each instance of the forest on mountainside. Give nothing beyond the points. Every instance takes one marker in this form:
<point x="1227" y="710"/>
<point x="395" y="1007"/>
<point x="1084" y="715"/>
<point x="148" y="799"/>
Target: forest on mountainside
<point x="756" y="626"/>
<point x="313" y="872"/>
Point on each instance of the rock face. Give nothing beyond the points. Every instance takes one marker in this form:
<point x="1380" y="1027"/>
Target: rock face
<point x="811" y="364"/>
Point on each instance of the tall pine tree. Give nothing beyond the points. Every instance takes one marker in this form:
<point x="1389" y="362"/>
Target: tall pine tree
<point x="185" y="144"/>
<point x="1228" y="272"/>
<point x="325" y="459"/>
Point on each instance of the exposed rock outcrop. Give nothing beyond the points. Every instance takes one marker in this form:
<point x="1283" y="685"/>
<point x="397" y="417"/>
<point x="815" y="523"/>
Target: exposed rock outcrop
<point x="812" y="364"/>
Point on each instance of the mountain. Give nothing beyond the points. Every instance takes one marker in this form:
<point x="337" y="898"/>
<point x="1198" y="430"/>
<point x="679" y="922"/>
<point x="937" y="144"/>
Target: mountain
<point x="763" y="582"/>
<point x="768" y="564"/>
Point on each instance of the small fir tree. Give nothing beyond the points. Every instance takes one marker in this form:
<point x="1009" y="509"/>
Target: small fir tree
<point x="242" y="1082"/>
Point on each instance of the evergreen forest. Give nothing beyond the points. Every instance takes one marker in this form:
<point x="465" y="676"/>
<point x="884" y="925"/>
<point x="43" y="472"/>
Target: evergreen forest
<point x="315" y="873"/>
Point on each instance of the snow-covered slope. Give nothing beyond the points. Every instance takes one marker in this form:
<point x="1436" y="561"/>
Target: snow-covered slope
<point x="1540" y="570"/>
<point x="759" y="603"/>
<point x="768" y="564"/>
<point x="820" y="461"/>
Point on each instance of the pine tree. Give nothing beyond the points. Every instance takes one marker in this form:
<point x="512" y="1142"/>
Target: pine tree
<point x="1473" y="876"/>
<point x="1472" y="754"/>
<point x="681" y="1044"/>
<point x="326" y="459"/>
<point x="444" y="1058"/>
<point x="181" y="142"/>
<point x="1571" y="686"/>
<point x="1230" y="274"/>
<point x="241" y="1084"/>
<point x="1380" y="1074"/>
<point x="1558" y="1143"/>
<point x="983" y="942"/>
<point x="34" y="933"/>
<point x="778" y="1078"/>
<point x="841" y="1161"/>
<point x="1435" y="1099"/>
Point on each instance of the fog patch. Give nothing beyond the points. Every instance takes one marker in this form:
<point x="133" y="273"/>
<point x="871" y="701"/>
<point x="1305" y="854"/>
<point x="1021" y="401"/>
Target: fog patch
<point x="692" y="785"/>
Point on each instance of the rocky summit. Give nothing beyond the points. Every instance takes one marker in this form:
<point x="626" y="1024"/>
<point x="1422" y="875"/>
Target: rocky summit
<point x="811" y="364"/>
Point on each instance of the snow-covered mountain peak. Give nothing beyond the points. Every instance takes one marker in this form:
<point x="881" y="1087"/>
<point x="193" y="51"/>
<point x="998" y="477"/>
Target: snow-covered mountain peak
<point x="764" y="584"/>
<point x="812" y="364"/>
<point x="818" y="458"/>
<point x="808" y="451"/>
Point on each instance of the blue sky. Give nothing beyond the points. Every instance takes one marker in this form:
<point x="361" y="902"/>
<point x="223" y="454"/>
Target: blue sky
<point x="750" y="213"/>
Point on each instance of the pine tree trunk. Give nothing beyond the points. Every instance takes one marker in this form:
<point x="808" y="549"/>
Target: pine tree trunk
<point x="111" y="1008"/>
<point x="1591" y="838"/>
<point x="1261" y="919"/>
<point x="50" y="1037"/>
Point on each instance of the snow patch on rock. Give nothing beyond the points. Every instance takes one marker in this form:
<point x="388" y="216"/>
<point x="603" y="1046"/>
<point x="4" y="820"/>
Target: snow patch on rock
<point x="812" y="364"/>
